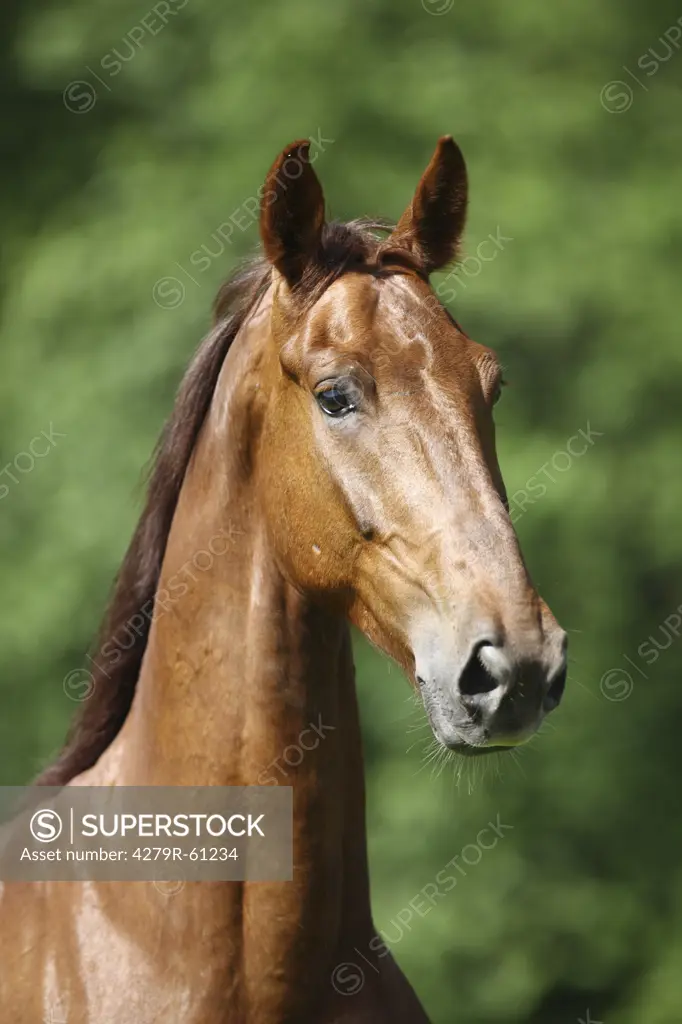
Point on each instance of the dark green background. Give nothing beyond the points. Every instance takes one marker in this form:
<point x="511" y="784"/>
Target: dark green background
<point x="579" y="906"/>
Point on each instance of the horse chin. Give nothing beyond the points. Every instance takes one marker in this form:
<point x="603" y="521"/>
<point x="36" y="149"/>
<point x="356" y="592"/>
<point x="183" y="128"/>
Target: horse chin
<point x="467" y="750"/>
<point x="470" y="747"/>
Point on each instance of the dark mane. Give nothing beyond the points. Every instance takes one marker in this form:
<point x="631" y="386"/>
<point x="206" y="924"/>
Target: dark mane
<point x="124" y="632"/>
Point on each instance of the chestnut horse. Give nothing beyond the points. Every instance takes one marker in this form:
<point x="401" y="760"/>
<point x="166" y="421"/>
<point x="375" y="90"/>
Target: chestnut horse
<point x="332" y="448"/>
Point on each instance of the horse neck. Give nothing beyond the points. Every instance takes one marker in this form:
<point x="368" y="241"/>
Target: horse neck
<point x="244" y="680"/>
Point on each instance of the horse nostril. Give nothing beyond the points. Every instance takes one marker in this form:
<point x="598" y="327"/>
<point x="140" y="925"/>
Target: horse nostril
<point x="475" y="677"/>
<point x="556" y="691"/>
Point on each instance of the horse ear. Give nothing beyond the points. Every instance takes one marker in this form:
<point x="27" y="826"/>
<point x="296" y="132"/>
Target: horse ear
<point x="292" y="212"/>
<point x="432" y="225"/>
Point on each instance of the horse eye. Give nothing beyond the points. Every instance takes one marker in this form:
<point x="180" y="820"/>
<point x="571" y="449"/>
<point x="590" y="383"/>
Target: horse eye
<point x="337" y="399"/>
<point x="497" y="393"/>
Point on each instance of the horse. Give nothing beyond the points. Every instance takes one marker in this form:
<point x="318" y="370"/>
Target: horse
<point x="332" y="448"/>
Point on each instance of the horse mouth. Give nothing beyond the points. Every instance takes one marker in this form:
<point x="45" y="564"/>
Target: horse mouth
<point x="467" y="750"/>
<point x="461" y="735"/>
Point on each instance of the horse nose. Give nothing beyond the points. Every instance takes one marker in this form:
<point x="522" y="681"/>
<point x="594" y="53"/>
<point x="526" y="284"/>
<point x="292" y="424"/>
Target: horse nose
<point x="495" y="688"/>
<point x="505" y="693"/>
<point x="556" y="687"/>
<point x="486" y="672"/>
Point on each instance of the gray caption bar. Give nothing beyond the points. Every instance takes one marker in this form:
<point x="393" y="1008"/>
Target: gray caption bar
<point x="145" y="833"/>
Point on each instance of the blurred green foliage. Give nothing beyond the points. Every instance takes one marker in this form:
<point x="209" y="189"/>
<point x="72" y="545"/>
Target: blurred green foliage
<point x="111" y="184"/>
